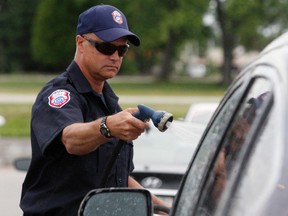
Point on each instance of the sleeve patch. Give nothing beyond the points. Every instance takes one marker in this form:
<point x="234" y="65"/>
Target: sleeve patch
<point x="59" y="98"/>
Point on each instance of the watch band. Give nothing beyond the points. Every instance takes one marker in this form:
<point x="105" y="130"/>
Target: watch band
<point x="104" y="130"/>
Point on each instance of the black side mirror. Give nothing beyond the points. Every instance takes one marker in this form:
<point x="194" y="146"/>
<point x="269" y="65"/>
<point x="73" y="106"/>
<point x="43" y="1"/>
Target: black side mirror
<point x="116" y="201"/>
<point x="22" y="164"/>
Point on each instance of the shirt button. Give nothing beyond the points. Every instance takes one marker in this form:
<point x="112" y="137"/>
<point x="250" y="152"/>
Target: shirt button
<point x="120" y="180"/>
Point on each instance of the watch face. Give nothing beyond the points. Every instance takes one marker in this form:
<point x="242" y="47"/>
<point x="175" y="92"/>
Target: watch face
<point x="103" y="130"/>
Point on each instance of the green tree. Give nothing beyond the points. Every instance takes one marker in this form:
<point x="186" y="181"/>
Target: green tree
<point x="54" y="31"/>
<point x="250" y="23"/>
<point x="15" y="33"/>
<point x="163" y="26"/>
<point x="182" y="22"/>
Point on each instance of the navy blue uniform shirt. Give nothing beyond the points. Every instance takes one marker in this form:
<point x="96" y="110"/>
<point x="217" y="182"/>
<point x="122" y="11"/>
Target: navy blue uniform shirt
<point x="57" y="181"/>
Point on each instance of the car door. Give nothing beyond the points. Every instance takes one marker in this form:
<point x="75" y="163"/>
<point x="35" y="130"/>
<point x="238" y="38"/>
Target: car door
<point x="219" y="163"/>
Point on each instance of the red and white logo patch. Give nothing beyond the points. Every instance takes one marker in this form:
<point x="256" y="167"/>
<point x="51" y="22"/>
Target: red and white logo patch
<point x="117" y="17"/>
<point x="59" y="98"/>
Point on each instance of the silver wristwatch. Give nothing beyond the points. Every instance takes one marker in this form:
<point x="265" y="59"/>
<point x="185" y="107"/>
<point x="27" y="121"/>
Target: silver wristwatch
<point x="104" y="130"/>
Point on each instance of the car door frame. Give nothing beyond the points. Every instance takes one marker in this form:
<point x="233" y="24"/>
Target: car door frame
<point x="243" y="83"/>
<point x="240" y="82"/>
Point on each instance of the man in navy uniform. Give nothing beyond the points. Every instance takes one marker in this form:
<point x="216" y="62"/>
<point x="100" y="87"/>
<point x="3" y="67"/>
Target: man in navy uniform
<point x="77" y="121"/>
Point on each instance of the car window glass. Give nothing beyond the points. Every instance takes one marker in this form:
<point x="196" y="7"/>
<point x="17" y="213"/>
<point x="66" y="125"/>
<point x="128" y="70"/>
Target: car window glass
<point x="205" y="154"/>
<point x="259" y="179"/>
<point x="235" y="142"/>
<point x="255" y="185"/>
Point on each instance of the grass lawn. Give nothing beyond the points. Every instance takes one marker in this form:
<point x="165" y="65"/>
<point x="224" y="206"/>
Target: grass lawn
<point x="18" y="115"/>
<point x="122" y="85"/>
<point x="17" y="120"/>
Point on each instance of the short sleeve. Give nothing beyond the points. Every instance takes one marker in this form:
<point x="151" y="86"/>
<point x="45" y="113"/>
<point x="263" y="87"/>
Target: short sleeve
<point x="52" y="112"/>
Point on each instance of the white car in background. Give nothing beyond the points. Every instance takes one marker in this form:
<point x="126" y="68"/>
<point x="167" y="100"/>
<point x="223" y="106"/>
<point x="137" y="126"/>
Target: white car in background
<point x="161" y="159"/>
<point x="2" y="120"/>
<point x="200" y="113"/>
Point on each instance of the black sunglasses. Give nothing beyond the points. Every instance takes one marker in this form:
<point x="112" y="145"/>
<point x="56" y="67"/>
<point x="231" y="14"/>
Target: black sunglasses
<point x="108" y="48"/>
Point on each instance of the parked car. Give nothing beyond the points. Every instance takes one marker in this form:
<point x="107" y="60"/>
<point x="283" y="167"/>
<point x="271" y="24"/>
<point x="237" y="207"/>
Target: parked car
<point x="11" y="179"/>
<point x="200" y="113"/>
<point x="161" y="159"/>
<point x="240" y="165"/>
<point x="2" y="120"/>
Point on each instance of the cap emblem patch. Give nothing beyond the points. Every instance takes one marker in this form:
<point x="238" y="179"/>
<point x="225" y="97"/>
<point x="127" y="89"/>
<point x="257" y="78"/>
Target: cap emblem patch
<point x="59" y="98"/>
<point x="117" y="17"/>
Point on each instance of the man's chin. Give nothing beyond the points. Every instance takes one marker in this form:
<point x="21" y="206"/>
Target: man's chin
<point x="110" y="75"/>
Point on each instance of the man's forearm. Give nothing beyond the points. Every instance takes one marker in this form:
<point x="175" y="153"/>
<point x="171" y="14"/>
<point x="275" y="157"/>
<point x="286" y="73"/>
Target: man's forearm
<point x="132" y="183"/>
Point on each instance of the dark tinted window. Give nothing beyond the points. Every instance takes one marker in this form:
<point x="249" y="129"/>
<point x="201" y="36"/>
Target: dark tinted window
<point x="261" y="187"/>
<point x="235" y="144"/>
<point x="191" y="187"/>
<point x="258" y="180"/>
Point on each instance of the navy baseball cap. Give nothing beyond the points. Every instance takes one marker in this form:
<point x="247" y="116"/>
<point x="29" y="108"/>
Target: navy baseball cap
<point x="106" y="22"/>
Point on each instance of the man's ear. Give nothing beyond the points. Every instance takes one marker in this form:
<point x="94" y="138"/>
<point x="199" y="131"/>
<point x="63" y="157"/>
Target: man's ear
<point x="80" y="43"/>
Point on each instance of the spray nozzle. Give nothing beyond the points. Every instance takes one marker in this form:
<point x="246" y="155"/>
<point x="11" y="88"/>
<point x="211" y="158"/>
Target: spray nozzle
<point x="160" y="119"/>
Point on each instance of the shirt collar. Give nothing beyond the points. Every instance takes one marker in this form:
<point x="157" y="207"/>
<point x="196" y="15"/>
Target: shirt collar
<point x="78" y="79"/>
<point x="83" y="86"/>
